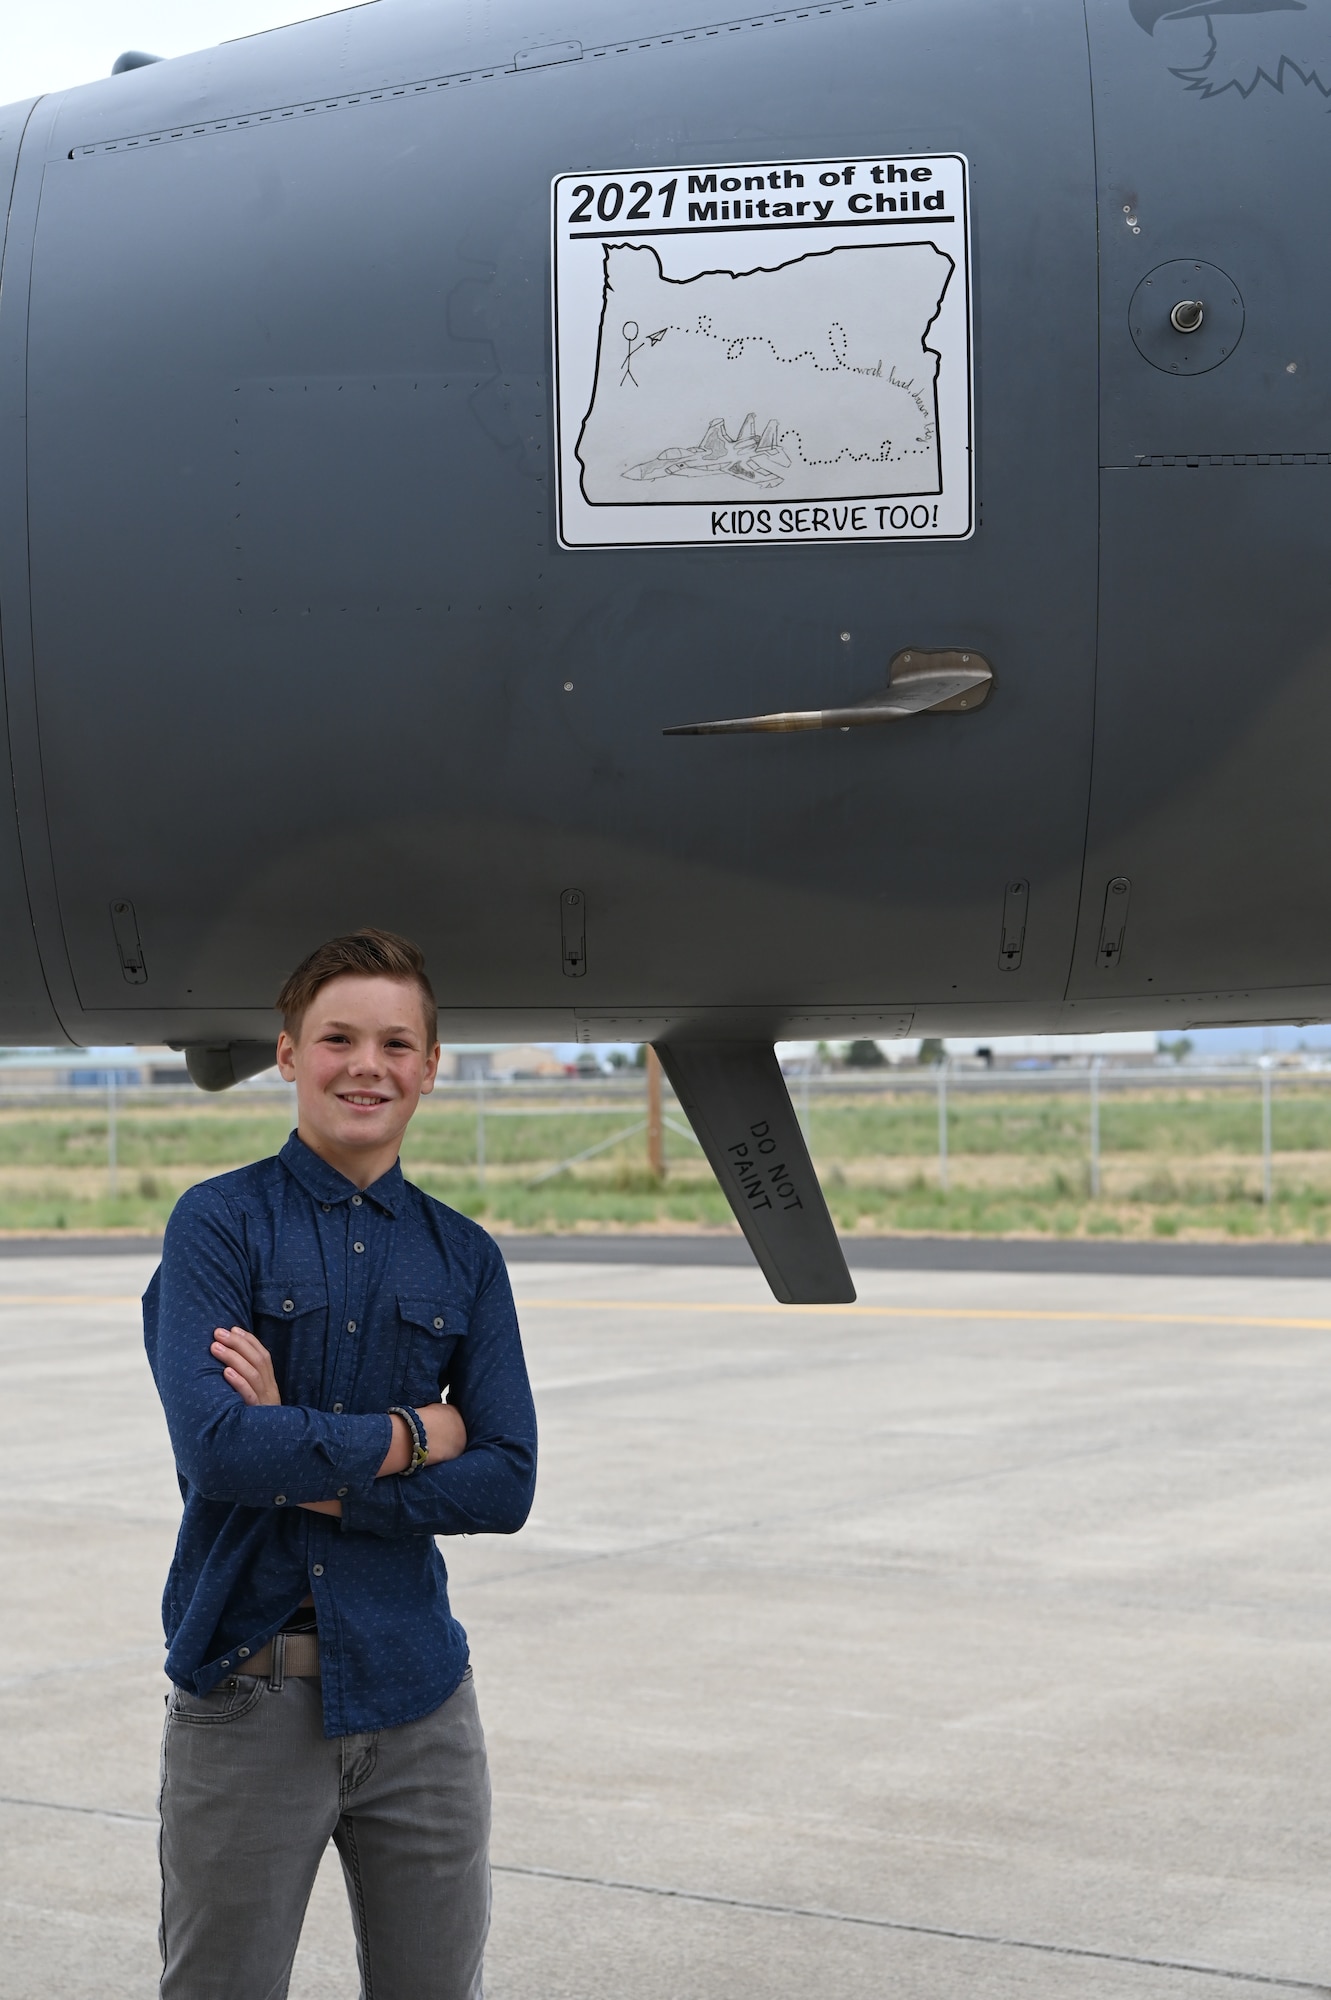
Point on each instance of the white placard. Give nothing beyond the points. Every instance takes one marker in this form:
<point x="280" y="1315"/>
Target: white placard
<point x="759" y="354"/>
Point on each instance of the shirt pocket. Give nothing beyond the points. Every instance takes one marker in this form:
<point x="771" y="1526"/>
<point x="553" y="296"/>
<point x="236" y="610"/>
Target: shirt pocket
<point x="291" y="1319"/>
<point x="429" y="1331"/>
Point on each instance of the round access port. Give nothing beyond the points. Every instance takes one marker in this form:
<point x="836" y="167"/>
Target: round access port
<point x="1186" y="317"/>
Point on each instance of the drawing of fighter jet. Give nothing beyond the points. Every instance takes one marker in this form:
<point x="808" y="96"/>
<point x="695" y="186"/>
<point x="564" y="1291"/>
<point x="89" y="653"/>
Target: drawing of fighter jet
<point x="746" y="456"/>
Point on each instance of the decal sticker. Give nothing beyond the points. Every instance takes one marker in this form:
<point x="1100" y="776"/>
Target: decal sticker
<point x="1222" y="46"/>
<point x="764" y="353"/>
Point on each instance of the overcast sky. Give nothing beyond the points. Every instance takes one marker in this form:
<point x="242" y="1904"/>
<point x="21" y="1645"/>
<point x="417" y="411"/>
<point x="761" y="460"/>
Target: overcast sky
<point x="51" y="44"/>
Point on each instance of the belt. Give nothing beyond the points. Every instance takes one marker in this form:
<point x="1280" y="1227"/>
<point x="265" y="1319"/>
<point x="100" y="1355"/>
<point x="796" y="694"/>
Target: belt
<point x="294" y="1653"/>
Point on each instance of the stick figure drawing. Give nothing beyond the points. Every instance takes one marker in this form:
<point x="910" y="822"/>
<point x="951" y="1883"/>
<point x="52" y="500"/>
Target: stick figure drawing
<point x="632" y="346"/>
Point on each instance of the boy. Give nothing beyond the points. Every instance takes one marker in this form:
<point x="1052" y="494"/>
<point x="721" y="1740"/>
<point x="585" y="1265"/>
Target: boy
<point x="307" y="1317"/>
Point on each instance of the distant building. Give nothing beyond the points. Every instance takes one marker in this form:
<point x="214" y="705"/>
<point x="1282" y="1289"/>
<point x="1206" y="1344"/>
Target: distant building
<point x="37" y="1070"/>
<point x="988" y="1051"/>
<point x="472" y="1062"/>
<point x="1126" y="1051"/>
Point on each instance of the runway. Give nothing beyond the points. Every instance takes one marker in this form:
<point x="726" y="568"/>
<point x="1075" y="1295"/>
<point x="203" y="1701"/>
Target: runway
<point x="727" y="1250"/>
<point x="969" y="1641"/>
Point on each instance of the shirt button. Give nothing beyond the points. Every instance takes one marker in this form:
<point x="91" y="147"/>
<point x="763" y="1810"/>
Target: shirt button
<point x="324" y="1206"/>
<point x="358" y="1246"/>
<point x="351" y="1326"/>
<point x="337" y="1409"/>
<point x="281" y="1500"/>
<point x="244" y="1653"/>
<point x="438" y="1323"/>
<point x="288" y="1305"/>
<point x="318" y="1571"/>
<point x="355" y="1201"/>
<point x="342" y="1492"/>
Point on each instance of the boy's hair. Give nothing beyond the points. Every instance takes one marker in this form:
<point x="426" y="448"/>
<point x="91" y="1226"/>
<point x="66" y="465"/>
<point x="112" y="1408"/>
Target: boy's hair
<point x="367" y="954"/>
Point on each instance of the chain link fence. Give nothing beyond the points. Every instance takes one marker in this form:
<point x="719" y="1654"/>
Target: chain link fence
<point x="1101" y="1150"/>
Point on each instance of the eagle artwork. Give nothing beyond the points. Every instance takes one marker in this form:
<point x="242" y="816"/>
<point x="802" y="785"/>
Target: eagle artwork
<point x="1241" y="45"/>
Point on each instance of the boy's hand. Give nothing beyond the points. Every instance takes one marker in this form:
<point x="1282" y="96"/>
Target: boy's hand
<point x="246" y="1364"/>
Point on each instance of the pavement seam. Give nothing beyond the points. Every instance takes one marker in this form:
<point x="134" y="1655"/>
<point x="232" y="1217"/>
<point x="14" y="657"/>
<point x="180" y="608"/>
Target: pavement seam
<point x="715" y="1900"/>
<point x="792" y="1909"/>
<point x="914" y="1930"/>
<point x="726" y="1249"/>
<point x="89" y="1812"/>
<point x="1023" y="1314"/>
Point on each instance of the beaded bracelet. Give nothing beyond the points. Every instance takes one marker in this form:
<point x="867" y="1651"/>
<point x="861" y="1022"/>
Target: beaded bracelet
<point x="420" y="1450"/>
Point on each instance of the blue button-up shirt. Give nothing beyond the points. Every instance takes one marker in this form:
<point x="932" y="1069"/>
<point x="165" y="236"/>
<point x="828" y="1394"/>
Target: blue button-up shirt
<point x="363" y="1300"/>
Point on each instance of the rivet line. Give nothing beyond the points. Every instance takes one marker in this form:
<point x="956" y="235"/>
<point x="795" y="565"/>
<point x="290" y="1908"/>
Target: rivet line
<point x="456" y="77"/>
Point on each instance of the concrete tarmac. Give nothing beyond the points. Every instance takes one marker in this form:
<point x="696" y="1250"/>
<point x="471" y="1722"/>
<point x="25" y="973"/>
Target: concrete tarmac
<point x="971" y="1641"/>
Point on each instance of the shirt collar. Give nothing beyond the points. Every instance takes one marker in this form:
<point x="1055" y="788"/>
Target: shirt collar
<point x="327" y="1185"/>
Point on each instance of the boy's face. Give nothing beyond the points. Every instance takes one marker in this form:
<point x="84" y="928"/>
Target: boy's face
<point x="360" y="1064"/>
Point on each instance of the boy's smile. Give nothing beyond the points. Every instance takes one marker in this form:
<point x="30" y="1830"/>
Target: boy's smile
<point x="361" y="1064"/>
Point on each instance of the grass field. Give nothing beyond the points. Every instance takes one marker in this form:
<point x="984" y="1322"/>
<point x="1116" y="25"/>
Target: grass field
<point x="1176" y="1160"/>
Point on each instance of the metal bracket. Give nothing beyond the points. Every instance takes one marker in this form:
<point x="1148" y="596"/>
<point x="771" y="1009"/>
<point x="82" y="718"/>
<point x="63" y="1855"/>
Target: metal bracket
<point x="1016" y="898"/>
<point x="126" y="927"/>
<point x="918" y="683"/>
<point x="1114" y="923"/>
<point x="573" y="932"/>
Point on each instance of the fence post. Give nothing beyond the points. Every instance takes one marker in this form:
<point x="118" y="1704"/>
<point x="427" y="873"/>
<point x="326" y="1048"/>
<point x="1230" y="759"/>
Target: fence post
<point x="1266" y="1132"/>
<point x="111" y="1147"/>
<point x="942" y="1122"/>
<point x="655" y="1137"/>
<point x="480" y="1130"/>
<point x="1095" y="1128"/>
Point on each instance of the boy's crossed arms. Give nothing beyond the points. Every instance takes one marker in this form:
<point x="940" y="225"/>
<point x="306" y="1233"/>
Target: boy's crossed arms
<point x="248" y="1367"/>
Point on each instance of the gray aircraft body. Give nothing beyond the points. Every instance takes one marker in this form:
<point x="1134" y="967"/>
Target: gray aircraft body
<point x="423" y="426"/>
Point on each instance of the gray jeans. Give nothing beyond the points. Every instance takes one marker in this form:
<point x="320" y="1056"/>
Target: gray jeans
<point x="252" y="1792"/>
